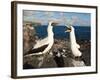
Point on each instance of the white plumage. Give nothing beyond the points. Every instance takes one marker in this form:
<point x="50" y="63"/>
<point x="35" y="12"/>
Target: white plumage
<point x="40" y="43"/>
<point x="74" y="45"/>
<point x="44" y="45"/>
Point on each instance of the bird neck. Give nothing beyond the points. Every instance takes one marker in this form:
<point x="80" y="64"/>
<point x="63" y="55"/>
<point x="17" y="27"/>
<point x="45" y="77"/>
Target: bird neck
<point x="72" y="37"/>
<point x="50" y="30"/>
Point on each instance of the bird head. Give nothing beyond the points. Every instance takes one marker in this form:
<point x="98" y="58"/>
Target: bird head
<point x="50" y="22"/>
<point x="53" y="23"/>
<point x="69" y="29"/>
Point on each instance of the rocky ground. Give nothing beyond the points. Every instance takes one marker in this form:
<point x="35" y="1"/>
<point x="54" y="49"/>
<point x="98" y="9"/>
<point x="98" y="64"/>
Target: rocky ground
<point x="60" y="54"/>
<point x="64" y="59"/>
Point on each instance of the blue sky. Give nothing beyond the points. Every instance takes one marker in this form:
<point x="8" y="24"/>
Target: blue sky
<point x="76" y="19"/>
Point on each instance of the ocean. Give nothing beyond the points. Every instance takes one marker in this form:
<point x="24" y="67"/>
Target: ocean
<point x="81" y="32"/>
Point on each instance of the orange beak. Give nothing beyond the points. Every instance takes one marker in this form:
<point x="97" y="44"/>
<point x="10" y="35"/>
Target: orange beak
<point x="68" y="29"/>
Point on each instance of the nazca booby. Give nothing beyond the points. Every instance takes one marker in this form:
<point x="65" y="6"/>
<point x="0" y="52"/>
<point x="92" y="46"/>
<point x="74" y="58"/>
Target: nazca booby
<point x="74" y="45"/>
<point x="43" y="46"/>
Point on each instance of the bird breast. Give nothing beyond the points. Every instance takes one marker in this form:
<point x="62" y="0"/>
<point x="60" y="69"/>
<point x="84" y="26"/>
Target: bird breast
<point x="75" y="51"/>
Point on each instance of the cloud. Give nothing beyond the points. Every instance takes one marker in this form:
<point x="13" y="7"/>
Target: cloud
<point x="80" y="21"/>
<point x="43" y="17"/>
<point x="27" y="13"/>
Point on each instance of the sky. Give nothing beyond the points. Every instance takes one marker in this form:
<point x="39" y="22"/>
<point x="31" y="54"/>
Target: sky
<point x="43" y="17"/>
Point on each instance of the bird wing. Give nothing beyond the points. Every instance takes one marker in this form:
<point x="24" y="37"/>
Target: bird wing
<point x="40" y="43"/>
<point x="76" y="51"/>
<point x="77" y="45"/>
<point x="37" y="50"/>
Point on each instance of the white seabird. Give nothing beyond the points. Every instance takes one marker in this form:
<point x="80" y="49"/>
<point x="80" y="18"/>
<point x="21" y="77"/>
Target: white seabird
<point x="43" y="46"/>
<point x="74" y="45"/>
